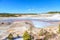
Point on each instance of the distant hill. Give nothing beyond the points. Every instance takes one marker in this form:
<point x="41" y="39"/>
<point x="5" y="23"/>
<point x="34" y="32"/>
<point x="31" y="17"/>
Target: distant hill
<point x="15" y="14"/>
<point x="19" y="14"/>
<point x="53" y="12"/>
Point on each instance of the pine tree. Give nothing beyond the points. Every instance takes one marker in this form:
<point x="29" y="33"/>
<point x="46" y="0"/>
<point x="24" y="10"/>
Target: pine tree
<point x="59" y="28"/>
<point x="26" y="36"/>
<point x="10" y="37"/>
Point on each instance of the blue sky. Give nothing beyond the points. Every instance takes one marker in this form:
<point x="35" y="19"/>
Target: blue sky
<point x="29" y="6"/>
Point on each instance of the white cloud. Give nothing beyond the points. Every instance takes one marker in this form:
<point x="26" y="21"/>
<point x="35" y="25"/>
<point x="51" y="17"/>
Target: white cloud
<point x="30" y="9"/>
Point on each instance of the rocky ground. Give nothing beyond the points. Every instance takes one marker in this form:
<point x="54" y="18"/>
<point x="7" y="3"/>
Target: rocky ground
<point x="19" y="27"/>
